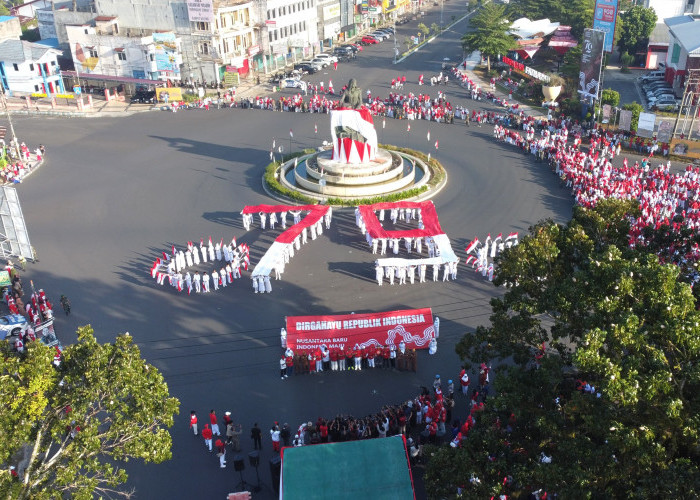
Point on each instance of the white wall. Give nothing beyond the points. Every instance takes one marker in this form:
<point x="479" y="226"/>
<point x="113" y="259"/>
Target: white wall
<point x="25" y="79"/>
<point x="667" y="8"/>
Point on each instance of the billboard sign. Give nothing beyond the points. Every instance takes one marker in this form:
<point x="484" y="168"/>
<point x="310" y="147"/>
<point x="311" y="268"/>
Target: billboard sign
<point x="412" y="326"/>
<point x="166" y="50"/>
<point x="591" y="63"/>
<point x="645" y="127"/>
<point x="200" y="10"/>
<point x="604" y="19"/>
<point x="625" y="119"/>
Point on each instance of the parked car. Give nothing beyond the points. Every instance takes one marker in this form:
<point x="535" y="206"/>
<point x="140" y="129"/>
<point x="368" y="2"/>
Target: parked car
<point x="144" y="96"/>
<point x="653" y="74"/>
<point x="358" y="46"/>
<point x="318" y="65"/>
<point x="305" y="68"/>
<point x="379" y="35"/>
<point x="293" y="83"/>
<point x="369" y="40"/>
<point x="353" y="47"/>
<point x="345" y="50"/>
<point x="12" y="325"/>
<point x="319" y="60"/>
<point x="666" y="102"/>
<point x="328" y="57"/>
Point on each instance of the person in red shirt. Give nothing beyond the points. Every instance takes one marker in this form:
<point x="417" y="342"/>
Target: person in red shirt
<point x="193" y="422"/>
<point x="334" y="359"/>
<point x="464" y="381"/>
<point x="386" y="355"/>
<point x="289" y="360"/>
<point x="214" y="423"/>
<point x="312" y="362"/>
<point x="323" y="429"/>
<point x="207" y="435"/>
<point x="370" y="352"/>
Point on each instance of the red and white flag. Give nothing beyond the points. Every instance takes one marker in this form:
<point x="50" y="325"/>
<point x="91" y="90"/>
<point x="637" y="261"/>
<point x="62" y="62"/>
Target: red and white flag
<point x="315" y="129"/>
<point x="291" y="134"/>
<point x="436" y="144"/>
<point x="472" y="246"/>
<point x="174" y="251"/>
<point x="512" y="236"/>
<point x="471" y="260"/>
<point x="428" y="134"/>
<point x="500" y="236"/>
<point x="408" y="129"/>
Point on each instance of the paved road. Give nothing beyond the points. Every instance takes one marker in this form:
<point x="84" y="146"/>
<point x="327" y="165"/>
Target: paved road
<point x="114" y="193"/>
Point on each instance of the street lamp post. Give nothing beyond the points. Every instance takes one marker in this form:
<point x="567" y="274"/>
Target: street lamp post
<point x="396" y="49"/>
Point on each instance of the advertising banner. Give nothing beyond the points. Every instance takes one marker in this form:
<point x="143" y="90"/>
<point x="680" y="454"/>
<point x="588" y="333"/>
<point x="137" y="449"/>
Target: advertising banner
<point x="412" y="326"/>
<point x="165" y="52"/>
<point x="665" y="131"/>
<point x="625" y="119"/>
<point x="607" y="110"/>
<point x="604" y="19"/>
<point x="591" y="61"/>
<point x="200" y="10"/>
<point x="167" y="94"/>
<point x="647" y="122"/>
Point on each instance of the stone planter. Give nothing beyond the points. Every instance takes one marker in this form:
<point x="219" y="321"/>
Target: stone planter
<point x="551" y="93"/>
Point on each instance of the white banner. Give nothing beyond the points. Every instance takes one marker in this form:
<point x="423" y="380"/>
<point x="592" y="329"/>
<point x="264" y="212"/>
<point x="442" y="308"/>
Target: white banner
<point x="354" y="137"/>
<point x="200" y="10"/>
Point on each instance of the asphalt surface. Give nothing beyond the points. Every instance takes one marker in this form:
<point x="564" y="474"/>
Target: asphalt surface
<point x="114" y="193"/>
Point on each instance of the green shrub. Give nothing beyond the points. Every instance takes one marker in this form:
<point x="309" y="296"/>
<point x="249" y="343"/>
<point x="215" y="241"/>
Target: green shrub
<point x="635" y="108"/>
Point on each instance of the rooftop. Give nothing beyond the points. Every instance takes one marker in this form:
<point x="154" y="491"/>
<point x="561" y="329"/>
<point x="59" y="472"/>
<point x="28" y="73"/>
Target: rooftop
<point x="20" y="51"/>
<point x="687" y="32"/>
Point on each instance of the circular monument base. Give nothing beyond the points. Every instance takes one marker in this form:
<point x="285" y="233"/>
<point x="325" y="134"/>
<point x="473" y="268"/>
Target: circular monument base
<point x="319" y="177"/>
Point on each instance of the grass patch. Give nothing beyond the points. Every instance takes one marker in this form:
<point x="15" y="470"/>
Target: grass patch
<point x="437" y="175"/>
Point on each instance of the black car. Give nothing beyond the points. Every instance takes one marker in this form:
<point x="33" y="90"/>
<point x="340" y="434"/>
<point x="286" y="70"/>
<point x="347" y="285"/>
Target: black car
<point x="144" y="96"/>
<point x="352" y="48"/>
<point x="307" y="68"/>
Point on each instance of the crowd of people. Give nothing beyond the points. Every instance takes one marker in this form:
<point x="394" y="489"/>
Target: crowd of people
<point x="171" y="267"/>
<point x="324" y="358"/>
<point x="211" y="430"/>
<point x="665" y="198"/>
<point x="37" y="312"/>
<point x="426" y="418"/>
<point x="17" y="168"/>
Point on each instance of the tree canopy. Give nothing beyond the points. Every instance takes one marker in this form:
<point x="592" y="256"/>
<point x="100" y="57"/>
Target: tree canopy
<point x="637" y="24"/>
<point x="67" y="429"/>
<point x="610" y="316"/>
<point x="490" y="33"/>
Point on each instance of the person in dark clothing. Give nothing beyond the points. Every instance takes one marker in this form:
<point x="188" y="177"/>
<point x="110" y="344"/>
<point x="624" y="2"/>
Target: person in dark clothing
<point x="256" y="435"/>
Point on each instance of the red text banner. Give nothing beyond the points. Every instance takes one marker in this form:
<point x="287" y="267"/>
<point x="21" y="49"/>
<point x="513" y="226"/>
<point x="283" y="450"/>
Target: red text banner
<point x="412" y="326"/>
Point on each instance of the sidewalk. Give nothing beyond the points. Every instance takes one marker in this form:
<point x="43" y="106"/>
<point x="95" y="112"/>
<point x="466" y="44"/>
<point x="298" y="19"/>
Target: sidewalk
<point x="472" y="61"/>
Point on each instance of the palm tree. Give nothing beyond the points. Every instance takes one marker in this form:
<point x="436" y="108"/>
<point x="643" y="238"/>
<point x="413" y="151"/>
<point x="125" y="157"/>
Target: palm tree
<point x="490" y="33"/>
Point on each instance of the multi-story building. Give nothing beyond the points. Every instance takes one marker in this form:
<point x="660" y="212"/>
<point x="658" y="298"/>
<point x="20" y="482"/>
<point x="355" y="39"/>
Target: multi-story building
<point x="29" y="67"/>
<point x="684" y="48"/>
<point x="289" y="27"/>
<point x="672" y="8"/>
<point x="328" y="22"/>
<point x="103" y="47"/>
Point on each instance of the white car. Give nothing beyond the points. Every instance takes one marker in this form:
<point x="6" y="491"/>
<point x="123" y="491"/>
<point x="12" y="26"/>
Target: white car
<point x="12" y="325"/>
<point x="329" y="57"/>
<point x="321" y="60"/>
<point x="293" y="83"/>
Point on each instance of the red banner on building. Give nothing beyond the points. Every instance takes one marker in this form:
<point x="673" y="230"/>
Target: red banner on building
<point x="412" y="326"/>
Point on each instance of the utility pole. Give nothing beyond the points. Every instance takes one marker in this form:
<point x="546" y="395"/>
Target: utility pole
<point x="14" y="143"/>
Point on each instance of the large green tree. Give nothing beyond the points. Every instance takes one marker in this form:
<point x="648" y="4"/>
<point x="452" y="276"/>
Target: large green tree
<point x="637" y="24"/>
<point x="116" y="405"/>
<point x="609" y="315"/>
<point x="489" y="33"/>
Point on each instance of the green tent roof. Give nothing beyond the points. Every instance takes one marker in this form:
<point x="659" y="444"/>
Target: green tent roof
<point x="371" y="468"/>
